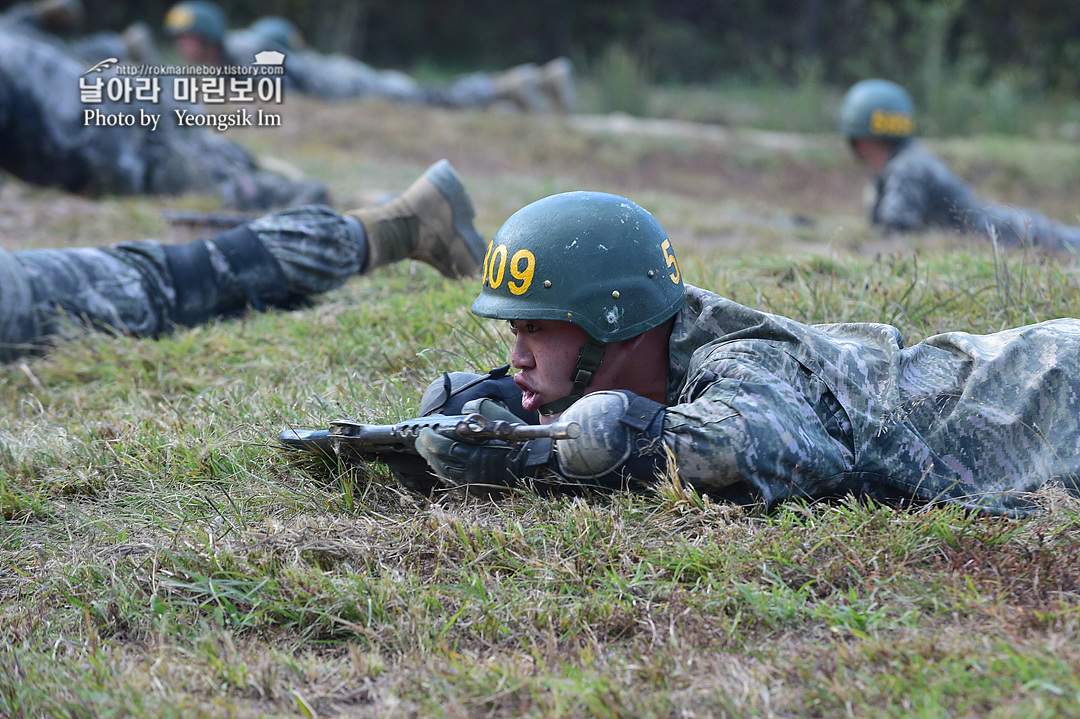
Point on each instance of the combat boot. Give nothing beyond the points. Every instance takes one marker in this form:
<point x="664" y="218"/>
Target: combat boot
<point x="521" y="86"/>
<point x="557" y="84"/>
<point x="432" y="221"/>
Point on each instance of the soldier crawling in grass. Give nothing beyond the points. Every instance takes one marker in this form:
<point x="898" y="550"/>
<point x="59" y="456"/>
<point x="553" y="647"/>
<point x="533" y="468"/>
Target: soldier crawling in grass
<point x="741" y="404"/>
<point x="914" y="190"/>
<point x="146" y="288"/>
<point x="199" y="32"/>
<point x="45" y="138"/>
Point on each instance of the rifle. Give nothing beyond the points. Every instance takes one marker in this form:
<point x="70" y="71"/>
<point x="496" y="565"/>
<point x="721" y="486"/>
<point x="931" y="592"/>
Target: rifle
<point x="354" y="440"/>
<point x="225" y="220"/>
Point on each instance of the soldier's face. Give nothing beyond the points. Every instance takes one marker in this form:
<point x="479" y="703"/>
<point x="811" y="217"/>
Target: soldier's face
<point x="875" y="154"/>
<point x="192" y="48"/>
<point x="545" y="352"/>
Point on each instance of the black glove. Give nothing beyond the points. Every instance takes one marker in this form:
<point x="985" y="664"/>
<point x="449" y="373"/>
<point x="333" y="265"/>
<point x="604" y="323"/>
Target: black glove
<point x="449" y="393"/>
<point x="411" y="472"/>
<point x="447" y="396"/>
<point x="489" y="464"/>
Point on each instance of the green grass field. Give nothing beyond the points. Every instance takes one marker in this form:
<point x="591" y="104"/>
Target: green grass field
<point x="160" y="557"/>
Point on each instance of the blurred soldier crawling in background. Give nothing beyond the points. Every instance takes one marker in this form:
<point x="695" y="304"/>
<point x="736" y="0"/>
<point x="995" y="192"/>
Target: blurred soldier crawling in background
<point x="145" y="288"/>
<point x="914" y="190"/>
<point x="135" y="44"/>
<point x="200" y="35"/>
<point x="45" y="139"/>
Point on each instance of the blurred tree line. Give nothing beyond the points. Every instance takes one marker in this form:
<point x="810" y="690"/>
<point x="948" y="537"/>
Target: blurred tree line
<point x="990" y="65"/>
<point x="1036" y="42"/>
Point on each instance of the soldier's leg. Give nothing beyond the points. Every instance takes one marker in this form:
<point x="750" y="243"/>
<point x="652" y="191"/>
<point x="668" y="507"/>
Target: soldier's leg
<point x="289" y="255"/>
<point x="144" y="288"/>
<point x="1017" y="227"/>
<point x="558" y="84"/>
<point x="473" y="90"/>
<point x="519" y="87"/>
<point x="126" y="288"/>
<point x="524" y="87"/>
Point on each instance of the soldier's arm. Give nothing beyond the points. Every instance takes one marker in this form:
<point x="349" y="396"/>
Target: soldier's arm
<point x="903" y="202"/>
<point x="750" y="424"/>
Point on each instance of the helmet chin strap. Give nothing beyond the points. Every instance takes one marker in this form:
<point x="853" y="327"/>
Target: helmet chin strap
<point x="588" y="362"/>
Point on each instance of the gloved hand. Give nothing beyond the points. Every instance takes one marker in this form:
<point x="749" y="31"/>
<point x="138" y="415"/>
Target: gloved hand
<point x="449" y="393"/>
<point x="492" y="463"/>
<point x="620" y="445"/>
<point x="411" y="472"/>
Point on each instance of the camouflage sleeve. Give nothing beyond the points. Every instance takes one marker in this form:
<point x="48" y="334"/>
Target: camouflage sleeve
<point x="902" y="202"/>
<point x="335" y="77"/>
<point x="751" y="413"/>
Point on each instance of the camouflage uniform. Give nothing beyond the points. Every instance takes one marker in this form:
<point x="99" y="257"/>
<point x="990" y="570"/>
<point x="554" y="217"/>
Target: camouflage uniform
<point x="145" y="288"/>
<point x="43" y="138"/>
<point x="762" y="406"/>
<point x="917" y="191"/>
<point x="340" y="77"/>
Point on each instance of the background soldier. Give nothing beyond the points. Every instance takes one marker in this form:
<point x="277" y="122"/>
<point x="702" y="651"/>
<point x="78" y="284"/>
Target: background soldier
<point x="145" y="288"/>
<point x="199" y="32"/>
<point x="750" y="405"/>
<point x="45" y="138"/>
<point x="135" y="44"/>
<point x="914" y="190"/>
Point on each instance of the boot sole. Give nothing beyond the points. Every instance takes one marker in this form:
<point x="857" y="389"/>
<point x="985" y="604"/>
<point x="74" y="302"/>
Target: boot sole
<point x="443" y="175"/>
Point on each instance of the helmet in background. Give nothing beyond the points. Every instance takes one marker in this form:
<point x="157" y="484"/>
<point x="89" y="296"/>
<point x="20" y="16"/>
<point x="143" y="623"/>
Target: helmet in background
<point x="877" y="109"/>
<point x="198" y="17"/>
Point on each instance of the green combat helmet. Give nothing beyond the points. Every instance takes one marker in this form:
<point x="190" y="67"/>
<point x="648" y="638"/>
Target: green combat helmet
<point x="590" y="258"/>
<point x="279" y="32"/>
<point x="878" y="109"/>
<point x="199" y="17"/>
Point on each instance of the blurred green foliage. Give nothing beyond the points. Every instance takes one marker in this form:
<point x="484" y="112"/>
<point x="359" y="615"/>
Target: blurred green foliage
<point x="684" y="40"/>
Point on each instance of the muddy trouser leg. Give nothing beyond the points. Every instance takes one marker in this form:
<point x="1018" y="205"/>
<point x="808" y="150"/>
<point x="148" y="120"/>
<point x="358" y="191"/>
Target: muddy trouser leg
<point x="144" y="288"/>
